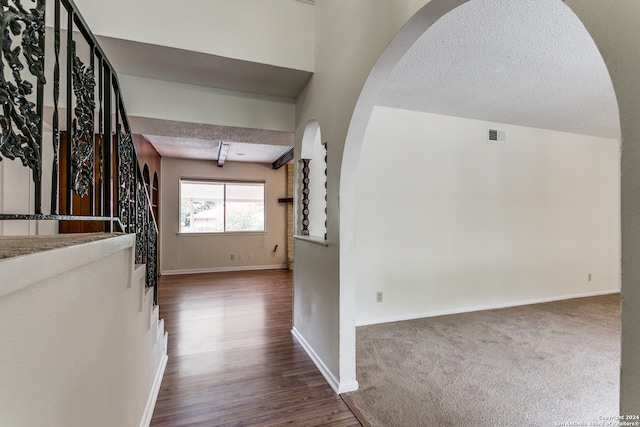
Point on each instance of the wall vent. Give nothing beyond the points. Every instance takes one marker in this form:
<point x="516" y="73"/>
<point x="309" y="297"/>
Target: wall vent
<point x="496" y="135"/>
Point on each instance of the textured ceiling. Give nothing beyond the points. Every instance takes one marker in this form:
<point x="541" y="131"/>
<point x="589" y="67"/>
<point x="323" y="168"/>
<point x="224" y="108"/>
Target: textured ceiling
<point x="202" y="149"/>
<point x="200" y="141"/>
<point x="525" y="62"/>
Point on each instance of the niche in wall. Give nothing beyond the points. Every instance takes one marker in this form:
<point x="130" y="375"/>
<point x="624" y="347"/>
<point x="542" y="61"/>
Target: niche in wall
<point x="313" y="178"/>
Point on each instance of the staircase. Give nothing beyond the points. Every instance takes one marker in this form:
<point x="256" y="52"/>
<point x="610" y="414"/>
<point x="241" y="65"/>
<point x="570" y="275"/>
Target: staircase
<point x="64" y="120"/>
<point x="81" y="339"/>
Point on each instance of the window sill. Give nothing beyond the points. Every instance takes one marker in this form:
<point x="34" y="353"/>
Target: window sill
<point x="228" y="233"/>
<point x="312" y="239"/>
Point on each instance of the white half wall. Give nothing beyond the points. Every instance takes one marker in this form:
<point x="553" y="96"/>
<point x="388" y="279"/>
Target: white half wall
<point x="81" y="341"/>
<point x="449" y="222"/>
<point x="212" y="252"/>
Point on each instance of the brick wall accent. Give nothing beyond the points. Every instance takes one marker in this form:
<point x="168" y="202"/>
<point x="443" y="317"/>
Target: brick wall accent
<point x="290" y="213"/>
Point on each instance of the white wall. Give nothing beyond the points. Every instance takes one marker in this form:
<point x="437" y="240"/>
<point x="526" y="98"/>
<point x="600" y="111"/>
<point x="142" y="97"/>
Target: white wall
<point x="349" y="38"/>
<point x="448" y="222"/>
<point x="77" y="349"/>
<point x="277" y="32"/>
<point x="161" y="99"/>
<point x="182" y="102"/>
<point x="211" y="252"/>
<point x="17" y="194"/>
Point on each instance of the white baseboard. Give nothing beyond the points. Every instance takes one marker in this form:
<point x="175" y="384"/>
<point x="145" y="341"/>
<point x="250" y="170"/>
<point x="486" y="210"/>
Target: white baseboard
<point x="155" y="390"/>
<point x="336" y="385"/>
<point x="348" y="386"/>
<point x="470" y="309"/>
<point x="223" y="269"/>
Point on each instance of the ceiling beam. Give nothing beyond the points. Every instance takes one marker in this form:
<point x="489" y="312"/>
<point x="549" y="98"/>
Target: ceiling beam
<point x="223" y="149"/>
<point x="283" y="160"/>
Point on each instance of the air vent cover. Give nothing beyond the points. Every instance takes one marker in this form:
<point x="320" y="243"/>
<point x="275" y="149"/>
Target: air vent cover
<point x="496" y="135"/>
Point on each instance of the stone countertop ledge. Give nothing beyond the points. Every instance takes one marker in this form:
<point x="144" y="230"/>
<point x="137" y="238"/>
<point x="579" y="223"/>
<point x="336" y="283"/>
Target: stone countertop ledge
<point x="12" y="246"/>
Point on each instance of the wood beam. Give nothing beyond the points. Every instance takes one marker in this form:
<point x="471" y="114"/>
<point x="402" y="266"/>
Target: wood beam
<point x="223" y="149"/>
<point x="283" y="160"/>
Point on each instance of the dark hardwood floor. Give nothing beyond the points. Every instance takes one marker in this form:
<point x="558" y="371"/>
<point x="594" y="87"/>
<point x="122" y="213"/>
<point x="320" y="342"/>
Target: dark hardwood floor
<point x="232" y="358"/>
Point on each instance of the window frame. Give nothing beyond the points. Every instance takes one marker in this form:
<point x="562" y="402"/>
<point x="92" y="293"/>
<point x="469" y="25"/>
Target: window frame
<point x="224" y="182"/>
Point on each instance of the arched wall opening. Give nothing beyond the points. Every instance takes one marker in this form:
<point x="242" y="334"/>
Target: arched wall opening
<point x="155" y="197"/>
<point x="357" y="135"/>
<point x="471" y="223"/>
<point x="146" y="176"/>
<point x="313" y="152"/>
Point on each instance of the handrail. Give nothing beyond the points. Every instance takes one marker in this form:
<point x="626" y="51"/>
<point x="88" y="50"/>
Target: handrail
<point x="95" y="175"/>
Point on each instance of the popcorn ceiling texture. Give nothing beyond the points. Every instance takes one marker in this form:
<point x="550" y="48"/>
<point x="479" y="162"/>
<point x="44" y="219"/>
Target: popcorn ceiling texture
<point x="529" y="63"/>
<point x="200" y="141"/>
<point x="174" y="128"/>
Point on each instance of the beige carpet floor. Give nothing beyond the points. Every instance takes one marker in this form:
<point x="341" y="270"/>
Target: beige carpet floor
<point x="535" y="365"/>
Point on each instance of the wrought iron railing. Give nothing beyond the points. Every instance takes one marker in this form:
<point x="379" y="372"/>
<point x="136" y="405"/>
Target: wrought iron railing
<point x="70" y="87"/>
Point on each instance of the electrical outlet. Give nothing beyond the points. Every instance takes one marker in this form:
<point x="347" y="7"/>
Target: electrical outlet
<point x="233" y="257"/>
<point x="250" y="257"/>
<point x="589" y="277"/>
<point x="379" y="297"/>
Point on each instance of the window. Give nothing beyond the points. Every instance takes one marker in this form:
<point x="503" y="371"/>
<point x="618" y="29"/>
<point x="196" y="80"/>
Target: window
<point x="221" y="207"/>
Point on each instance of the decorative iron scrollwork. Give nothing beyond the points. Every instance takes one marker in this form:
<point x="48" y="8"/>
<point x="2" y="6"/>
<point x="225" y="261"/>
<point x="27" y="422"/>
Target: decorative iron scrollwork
<point x="82" y="157"/>
<point x="141" y="222"/>
<point x="20" y="135"/>
<point x="126" y="199"/>
<point x="86" y="171"/>
<point x="152" y="256"/>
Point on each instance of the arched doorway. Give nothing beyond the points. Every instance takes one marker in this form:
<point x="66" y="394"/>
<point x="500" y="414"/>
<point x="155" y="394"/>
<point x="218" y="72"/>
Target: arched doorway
<point x="423" y="20"/>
